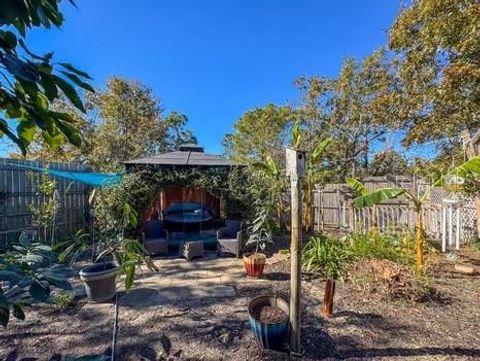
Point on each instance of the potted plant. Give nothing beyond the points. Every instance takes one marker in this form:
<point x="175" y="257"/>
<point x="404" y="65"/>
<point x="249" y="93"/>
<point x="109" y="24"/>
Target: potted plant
<point x="119" y="255"/>
<point x="259" y="234"/>
<point x="268" y="317"/>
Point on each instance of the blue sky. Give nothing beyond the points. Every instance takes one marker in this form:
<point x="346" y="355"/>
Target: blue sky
<point x="215" y="59"/>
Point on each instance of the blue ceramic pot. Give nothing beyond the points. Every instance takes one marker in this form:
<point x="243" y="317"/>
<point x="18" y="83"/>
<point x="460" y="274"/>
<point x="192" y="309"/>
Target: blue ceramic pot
<point x="269" y="335"/>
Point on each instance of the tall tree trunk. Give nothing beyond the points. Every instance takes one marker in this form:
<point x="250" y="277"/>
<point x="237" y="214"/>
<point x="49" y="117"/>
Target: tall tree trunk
<point x="327" y="308"/>
<point x="419" y="243"/>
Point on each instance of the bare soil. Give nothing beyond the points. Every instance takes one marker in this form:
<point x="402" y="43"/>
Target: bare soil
<point x="364" y="326"/>
<point x="269" y="314"/>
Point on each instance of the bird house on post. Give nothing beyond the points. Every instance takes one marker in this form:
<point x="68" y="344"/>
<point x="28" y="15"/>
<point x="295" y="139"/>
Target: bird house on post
<point x="295" y="160"/>
<point x="295" y="163"/>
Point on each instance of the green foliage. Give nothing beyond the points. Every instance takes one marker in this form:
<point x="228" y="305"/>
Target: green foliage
<point x="261" y="230"/>
<point x="260" y="133"/>
<point x="140" y="189"/>
<point x="330" y="256"/>
<point x="436" y="46"/>
<point x="74" y="247"/>
<point x="125" y="120"/>
<point x="61" y="300"/>
<point x="378" y="196"/>
<point x="113" y="233"/>
<point x="31" y="81"/>
<point x="43" y="213"/>
<point x="27" y="274"/>
<point x="389" y="162"/>
<point x="324" y="254"/>
<point x="132" y="125"/>
<point x="385" y="246"/>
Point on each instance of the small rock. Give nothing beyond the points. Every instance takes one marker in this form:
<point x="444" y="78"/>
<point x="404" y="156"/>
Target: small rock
<point x="469" y="270"/>
<point x="224" y="338"/>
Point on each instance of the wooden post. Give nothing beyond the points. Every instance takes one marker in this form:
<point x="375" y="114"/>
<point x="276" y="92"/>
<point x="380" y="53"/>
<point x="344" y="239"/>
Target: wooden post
<point x="295" y="170"/>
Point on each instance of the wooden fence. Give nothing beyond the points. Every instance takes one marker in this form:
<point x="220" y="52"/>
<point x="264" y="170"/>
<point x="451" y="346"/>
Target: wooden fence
<point x="19" y="192"/>
<point x="334" y="211"/>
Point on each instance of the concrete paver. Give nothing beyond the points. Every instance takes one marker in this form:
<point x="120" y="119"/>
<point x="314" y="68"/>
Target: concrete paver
<point x="180" y="280"/>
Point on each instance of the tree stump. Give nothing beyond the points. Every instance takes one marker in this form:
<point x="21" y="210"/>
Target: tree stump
<point x="327" y="308"/>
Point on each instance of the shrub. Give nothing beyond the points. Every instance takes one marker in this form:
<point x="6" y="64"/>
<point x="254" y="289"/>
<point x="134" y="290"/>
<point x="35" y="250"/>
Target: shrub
<point x="325" y="255"/>
<point x="387" y="247"/>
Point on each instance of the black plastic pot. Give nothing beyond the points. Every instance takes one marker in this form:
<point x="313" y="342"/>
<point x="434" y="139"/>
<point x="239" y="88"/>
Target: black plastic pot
<point x="100" y="281"/>
<point x="269" y="335"/>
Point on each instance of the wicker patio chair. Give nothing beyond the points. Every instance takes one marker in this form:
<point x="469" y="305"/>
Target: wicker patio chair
<point x="154" y="237"/>
<point x="230" y="238"/>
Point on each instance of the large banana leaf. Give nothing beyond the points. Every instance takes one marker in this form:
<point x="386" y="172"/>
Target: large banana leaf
<point x="470" y="167"/>
<point x="319" y="150"/>
<point x="377" y="196"/>
<point x="296" y="133"/>
<point x="357" y="186"/>
<point x="269" y="167"/>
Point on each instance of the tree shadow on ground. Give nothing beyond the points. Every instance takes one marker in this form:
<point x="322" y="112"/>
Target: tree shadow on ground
<point x="277" y="276"/>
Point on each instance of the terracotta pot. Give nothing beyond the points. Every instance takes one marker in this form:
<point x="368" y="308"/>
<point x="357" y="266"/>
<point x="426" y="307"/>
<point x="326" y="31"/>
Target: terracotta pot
<point x="254" y="264"/>
<point x="100" y="281"/>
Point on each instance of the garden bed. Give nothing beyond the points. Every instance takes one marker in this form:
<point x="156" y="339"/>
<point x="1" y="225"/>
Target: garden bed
<point x="363" y="326"/>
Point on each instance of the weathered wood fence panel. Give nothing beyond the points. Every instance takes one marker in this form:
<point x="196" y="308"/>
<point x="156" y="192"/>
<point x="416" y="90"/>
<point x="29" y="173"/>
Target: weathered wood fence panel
<point x="18" y="192"/>
<point x="334" y="211"/>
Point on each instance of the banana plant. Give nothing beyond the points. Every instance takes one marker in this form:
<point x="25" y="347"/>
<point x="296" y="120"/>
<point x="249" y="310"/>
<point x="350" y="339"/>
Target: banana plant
<point x="312" y="175"/>
<point x="272" y="172"/>
<point x="367" y="198"/>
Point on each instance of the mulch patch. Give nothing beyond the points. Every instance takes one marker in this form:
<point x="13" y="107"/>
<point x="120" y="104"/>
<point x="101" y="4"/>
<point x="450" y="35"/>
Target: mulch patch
<point x="269" y="314"/>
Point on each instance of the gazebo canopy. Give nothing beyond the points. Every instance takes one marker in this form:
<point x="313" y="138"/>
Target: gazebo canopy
<point x="186" y="155"/>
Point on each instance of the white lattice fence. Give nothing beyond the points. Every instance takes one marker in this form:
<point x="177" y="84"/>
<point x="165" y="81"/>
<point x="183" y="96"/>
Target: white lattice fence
<point x="334" y="210"/>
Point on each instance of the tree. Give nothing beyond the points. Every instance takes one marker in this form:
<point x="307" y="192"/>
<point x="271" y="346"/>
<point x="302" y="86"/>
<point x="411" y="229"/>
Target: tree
<point x="30" y="82"/>
<point x="365" y="198"/>
<point x="129" y="123"/>
<point x="260" y="133"/>
<point x="388" y="162"/>
<point x="352" y="109"/>
<point x="123" y="121"/>
<point x="63" y="150"/>
<point x="273" y="180"/>
<point x="313" y="174"/>
<point x="437" y="50"/>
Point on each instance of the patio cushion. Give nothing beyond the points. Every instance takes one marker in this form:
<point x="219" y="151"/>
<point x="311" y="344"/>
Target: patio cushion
<point x="231" y="228"/>
<point x="153" y="229"/>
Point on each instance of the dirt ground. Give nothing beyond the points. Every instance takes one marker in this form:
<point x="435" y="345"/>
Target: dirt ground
<point x="363" y="327"/>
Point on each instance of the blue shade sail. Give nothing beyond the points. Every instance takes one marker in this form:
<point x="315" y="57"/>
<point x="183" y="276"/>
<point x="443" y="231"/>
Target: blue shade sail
<point x="92" y="179"/>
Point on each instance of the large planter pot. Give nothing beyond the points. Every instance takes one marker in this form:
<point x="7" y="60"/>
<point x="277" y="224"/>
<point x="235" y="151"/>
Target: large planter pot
<point x="254" y="264"/>
<point x="269" y="335"/>
<point x="100" y="281"/>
